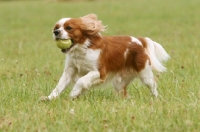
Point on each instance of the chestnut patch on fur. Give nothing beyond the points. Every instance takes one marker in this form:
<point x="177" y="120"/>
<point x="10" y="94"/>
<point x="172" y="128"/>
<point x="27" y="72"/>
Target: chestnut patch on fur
<point x="144" y="43"/>
<point x="57" y="26"/>
<point x="136" y="57"/>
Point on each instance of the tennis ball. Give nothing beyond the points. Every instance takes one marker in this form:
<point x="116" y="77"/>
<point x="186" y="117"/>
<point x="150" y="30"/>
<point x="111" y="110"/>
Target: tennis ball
<point x="64" y="44"/>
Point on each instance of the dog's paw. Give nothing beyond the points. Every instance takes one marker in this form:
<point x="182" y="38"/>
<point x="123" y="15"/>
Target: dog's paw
<point x="43" y="99"/>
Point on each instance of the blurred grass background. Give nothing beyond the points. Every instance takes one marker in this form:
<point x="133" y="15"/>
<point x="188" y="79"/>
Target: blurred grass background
<point x="31" y="64"/>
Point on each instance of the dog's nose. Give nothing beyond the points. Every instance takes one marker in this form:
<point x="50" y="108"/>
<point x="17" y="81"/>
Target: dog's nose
<point x="56" y="32"/>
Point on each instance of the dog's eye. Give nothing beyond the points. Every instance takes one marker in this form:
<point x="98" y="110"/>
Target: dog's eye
<point x="68" y="28"/>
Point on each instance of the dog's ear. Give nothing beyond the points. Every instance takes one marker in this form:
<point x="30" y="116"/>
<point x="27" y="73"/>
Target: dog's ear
<point x="92" y="25"/>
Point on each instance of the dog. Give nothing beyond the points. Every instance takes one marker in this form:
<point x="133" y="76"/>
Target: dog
<point x="94" y="59"/>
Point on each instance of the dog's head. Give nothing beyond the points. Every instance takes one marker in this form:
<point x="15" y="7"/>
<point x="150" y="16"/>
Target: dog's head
<point x="77" y="29"/>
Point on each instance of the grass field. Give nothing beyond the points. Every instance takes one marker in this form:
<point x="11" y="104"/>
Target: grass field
<point x="31" y="64"/>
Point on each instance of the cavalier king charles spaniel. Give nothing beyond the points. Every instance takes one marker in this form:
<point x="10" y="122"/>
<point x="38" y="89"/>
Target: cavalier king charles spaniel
<point x="94" y="59"/>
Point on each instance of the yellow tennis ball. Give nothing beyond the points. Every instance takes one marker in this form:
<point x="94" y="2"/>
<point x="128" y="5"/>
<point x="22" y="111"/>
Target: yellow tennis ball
<point x="64" y="44"/>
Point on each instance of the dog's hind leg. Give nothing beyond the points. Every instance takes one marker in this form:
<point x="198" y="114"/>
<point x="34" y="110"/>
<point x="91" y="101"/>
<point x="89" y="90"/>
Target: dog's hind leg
<point x="147" y="77"/>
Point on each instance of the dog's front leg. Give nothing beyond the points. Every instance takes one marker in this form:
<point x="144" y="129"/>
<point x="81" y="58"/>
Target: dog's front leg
<point x="65" y="79"/>
<point x="85" y="82"/>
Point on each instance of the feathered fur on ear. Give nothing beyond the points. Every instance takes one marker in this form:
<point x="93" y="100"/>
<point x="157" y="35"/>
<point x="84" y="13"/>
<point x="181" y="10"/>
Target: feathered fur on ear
<point x="92" y="25"/>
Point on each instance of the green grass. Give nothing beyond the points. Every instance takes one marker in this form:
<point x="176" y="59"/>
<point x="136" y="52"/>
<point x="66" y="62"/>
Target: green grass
<point x="30" y="66"/>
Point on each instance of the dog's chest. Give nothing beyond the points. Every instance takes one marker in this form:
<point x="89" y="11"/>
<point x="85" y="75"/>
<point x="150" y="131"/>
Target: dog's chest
<point x="85" y="60"/>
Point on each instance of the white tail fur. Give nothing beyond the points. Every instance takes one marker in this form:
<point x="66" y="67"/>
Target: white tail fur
<point x="157" y="55"/>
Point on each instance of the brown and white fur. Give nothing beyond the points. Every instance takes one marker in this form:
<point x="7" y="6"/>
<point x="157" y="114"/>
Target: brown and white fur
<point x="94" y="59"/>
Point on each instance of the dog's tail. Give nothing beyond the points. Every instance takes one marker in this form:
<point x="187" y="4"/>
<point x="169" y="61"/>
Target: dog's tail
<point x="157" y="55"/>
